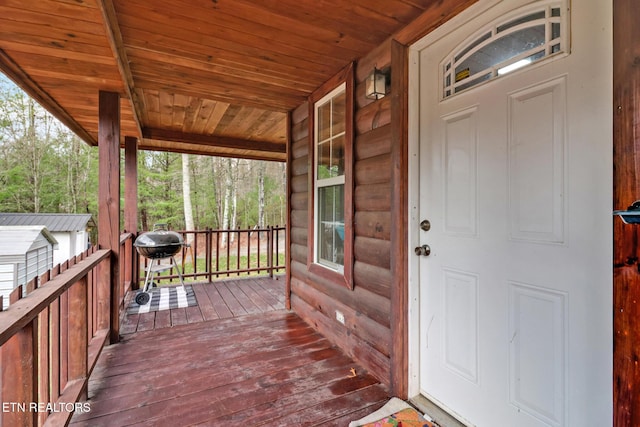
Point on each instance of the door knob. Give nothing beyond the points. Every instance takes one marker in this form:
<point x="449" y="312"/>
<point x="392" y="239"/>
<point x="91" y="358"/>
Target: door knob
<point x="423" y="250"/>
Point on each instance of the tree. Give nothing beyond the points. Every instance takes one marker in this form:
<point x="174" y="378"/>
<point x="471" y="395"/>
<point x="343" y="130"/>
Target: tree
<point x="262" y="167"/>
<point x="34" y="151"/>
<point x="186" y="196"/>
<point x="44" y="167"/>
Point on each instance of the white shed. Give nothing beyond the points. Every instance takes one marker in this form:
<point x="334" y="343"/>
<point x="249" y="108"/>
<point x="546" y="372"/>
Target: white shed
<point x="25" y="252"/>
<point x="70" y="230"/>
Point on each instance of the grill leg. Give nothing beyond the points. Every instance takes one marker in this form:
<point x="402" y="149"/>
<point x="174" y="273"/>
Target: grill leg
<point x="149" y="277"/>
<point x="173" y="261"/>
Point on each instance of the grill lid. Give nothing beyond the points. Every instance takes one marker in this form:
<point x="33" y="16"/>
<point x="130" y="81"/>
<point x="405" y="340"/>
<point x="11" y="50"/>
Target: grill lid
<point x="158" y="243"/>
<point x="154" y="239"/>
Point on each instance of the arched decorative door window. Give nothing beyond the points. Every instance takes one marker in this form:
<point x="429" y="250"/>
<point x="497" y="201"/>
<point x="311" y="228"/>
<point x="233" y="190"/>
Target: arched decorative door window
<point x="522" y="39"/>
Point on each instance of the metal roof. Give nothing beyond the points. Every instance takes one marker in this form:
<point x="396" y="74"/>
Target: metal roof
<point x="16" y="241"/>
<point x="53" y="221"/>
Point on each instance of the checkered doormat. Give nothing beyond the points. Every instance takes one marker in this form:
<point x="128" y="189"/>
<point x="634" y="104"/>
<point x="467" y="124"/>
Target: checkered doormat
<point x="165" y="298"/>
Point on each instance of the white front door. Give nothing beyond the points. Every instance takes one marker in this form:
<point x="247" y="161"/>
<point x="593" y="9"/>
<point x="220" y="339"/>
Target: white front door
<point x="514" y="301"/>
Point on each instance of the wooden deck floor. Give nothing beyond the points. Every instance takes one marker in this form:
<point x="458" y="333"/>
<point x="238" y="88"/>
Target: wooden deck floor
<point x="217" y="300"/>
<point x="245" y="368"/>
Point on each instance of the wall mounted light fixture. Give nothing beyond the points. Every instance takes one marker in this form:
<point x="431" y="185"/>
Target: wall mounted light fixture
<point x="376" y="84"/>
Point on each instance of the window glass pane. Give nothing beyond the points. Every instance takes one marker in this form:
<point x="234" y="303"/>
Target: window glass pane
<point x="337" y="156"/>
<point x="331" y="158"/>
<point x="324" y="121"/>
<point x="502" y="49"/>
<point x="324" y="160"/>
<point x="524" y="19"/>
<point x="338" y="122"/>
<point x="473" y="82"/>
<point x="331" y="225"/>
<point x="555" y="31"/>
<point x="478" y="41"/>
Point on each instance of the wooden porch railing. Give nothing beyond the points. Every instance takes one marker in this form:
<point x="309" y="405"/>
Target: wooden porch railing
<point x="50" y="338"/>
<point x="222" y="253"/>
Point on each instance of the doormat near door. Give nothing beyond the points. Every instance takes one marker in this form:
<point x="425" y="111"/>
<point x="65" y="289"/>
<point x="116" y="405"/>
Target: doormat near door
<point x="394" y="413"/>
<point x="165" y="298"/>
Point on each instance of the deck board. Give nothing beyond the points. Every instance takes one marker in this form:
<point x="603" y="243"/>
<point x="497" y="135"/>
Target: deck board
<point x="218" y="303"/>
<point x="232" y="303"/>
<point x="206" y="307"/>
<point x="194" y="367"/>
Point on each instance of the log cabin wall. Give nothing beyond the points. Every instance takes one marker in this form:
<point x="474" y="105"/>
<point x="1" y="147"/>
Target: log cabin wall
<point x="367" y="332"/>
<point x="626" y="189"/>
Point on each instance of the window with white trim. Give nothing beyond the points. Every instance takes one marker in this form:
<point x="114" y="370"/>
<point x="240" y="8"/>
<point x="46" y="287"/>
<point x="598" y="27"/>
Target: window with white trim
<point x="506" y="46"/>
<point x="330" y="139"/>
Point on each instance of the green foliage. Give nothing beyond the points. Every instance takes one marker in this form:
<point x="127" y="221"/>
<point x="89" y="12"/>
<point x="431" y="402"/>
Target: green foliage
<point x="44" y="167"/>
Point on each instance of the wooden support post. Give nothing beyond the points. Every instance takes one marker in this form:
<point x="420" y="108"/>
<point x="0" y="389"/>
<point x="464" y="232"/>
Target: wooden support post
<point x="287" y="258"/>
<point x="131" y="199"/>
<point x="399" y="217"/>
<point x="109" y="211"/>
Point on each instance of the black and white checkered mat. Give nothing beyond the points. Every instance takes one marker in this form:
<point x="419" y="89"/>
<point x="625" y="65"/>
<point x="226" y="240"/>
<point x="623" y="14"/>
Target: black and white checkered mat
<point x="165" y="298"/>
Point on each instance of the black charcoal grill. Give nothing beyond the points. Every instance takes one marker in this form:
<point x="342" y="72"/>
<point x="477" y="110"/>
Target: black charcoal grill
<point x="157" y="245"/>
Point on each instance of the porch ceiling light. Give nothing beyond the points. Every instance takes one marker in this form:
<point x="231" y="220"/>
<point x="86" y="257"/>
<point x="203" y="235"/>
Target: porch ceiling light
<point x="376" y="85"/>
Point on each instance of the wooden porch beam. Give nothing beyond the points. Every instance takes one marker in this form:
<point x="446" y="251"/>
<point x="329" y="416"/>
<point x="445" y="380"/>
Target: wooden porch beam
<point x="212" y="140"/>
<point x="208" y="150"/>
<point x="433" y="16"/>
<point x="109" y="211"/>
<point x="17" y="74"/>
<point x="117" y="46"/>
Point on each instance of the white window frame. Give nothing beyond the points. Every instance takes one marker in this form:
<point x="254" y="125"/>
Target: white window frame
<point x="325" y="182"/>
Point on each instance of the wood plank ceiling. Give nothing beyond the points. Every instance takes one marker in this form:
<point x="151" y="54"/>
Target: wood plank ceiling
<point x="212" y="77"/>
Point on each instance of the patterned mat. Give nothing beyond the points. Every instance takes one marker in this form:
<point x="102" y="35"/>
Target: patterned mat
<point x="394" y="413"/>
<point x="165" y="298"/>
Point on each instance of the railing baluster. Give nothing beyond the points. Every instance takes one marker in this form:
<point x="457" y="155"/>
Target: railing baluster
<point x="259" y="252"/>
<point x="77" y="331"/>
<point x="54" y="355"/>
<point x="228" y="252"/>
<point x="64" y="340"/>
<point x="44" y="365"/>
<point x="194" y="258"/>
<point x="248" y="249"/>
<point x="207" y="253"/>
<point x="217" y="253"/>
<point x="277" y="231"/>
<point x="270" y="250"/>
<point x="19" y="387"/>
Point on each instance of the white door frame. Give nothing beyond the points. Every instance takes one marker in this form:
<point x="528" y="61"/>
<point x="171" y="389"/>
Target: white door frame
<point x="414" y="233"/>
